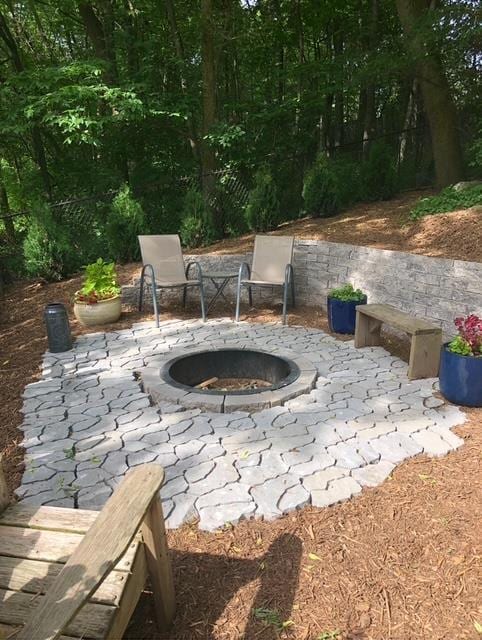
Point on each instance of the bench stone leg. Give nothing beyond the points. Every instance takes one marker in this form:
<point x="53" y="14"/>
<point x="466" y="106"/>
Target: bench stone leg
<point x="367" y="331"/>
<point x="424" y="355"/>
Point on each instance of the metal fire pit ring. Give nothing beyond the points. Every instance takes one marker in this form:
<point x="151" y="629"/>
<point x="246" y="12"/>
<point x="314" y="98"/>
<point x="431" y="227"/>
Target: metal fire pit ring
<point x="172" y="377"/>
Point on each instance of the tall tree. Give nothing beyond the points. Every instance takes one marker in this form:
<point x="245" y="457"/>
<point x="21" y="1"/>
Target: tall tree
<point x="438" y="102"/>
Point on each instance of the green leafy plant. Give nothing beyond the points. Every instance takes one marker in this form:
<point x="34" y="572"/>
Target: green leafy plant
<point x="272" y="618"/>
<point x="100" y="282"/>
<point x="447" y="200"/>
<point x="263" y="209"/>
<point x="469" y="340"/>
<point x="347" y="293"/>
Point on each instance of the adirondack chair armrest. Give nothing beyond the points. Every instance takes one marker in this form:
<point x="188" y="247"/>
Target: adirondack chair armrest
<point x="97" y="554"/>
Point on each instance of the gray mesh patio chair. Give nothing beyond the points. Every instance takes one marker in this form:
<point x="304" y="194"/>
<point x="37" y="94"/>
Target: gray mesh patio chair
<point x="163" y="268"/>
<point x="272" y="258"/>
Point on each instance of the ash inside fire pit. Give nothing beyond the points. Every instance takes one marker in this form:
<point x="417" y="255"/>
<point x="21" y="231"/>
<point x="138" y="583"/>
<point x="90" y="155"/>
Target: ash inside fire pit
<point x="233" y="384"/>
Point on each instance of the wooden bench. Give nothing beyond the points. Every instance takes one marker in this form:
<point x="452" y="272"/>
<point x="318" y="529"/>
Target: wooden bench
<point x="426" y="337"/>
<point x="72" y="573"/>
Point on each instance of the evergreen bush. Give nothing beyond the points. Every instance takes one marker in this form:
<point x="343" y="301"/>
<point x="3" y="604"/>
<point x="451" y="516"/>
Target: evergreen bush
<point x="196" y="224"/>
<point x="263" y="209"/>
<point x="49" y="251"/>
<point x="379" y="180"/>
<point x="125" y="221"/>
<point x="321" y="193"/>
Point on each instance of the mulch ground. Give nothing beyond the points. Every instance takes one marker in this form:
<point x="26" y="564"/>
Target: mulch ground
<point x="398" y="562"/>
<point x="385" y="225"/>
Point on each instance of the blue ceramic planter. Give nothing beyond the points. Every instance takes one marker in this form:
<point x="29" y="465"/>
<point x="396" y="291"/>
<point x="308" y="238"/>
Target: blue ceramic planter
<point x="342" y="315"/>
<point x="461" y="378"/>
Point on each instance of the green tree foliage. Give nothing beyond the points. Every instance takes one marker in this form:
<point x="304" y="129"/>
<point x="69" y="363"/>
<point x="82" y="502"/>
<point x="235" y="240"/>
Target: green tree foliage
<point x="165" y="96"/>
<point x="263" y="209"/>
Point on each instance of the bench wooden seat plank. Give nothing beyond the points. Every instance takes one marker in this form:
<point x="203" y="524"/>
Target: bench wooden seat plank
<point x="398" y="319"/>
<point x="426" y="338"/>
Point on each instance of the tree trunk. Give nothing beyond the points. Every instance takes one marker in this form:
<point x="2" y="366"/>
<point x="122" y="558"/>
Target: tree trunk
<point x="339" y="129"/>
<point x="5" y="212"/>
<point x="208" y="158"/>
<point x="439" y="106"/>
<point x="179" y="47"/>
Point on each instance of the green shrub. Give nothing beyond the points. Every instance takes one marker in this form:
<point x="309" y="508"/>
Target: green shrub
<point x="347" y="293"/>
<point x="447" y="200"/>
<point x="125" y="221"/>
<point x="321" y="190"/>
<point x="100" y="282"/>
<point x="48" y="248"/>
<point x="379" y="179"/>
<point x="196" y="225"/>
<point x="263" y="209"/>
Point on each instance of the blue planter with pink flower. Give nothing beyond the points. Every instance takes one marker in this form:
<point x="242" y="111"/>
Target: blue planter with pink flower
<point x="461" y="364"/>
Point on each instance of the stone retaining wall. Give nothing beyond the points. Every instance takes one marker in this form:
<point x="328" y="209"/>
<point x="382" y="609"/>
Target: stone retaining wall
<point x="437" y="289"/>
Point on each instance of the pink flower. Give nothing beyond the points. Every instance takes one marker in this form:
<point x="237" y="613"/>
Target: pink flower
<point x="470" y="329"/>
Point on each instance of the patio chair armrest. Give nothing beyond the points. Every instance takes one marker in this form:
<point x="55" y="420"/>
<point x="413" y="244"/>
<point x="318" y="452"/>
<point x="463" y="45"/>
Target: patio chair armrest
<point x="289" y="272"/>
<point x="194" y="263"/>
<point x="97" y="554"/>
<point x="244" y="266"/>
<point x="150" y="270"/>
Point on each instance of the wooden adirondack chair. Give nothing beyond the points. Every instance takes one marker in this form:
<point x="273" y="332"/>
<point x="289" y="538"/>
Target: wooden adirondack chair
<point x="71" y="573"/>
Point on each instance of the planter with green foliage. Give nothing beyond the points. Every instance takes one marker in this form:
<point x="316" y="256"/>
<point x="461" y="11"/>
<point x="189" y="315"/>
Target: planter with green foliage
<point x="98" y="302"/>
<point x="461" y="364"/>
<point x="341" y="306"/>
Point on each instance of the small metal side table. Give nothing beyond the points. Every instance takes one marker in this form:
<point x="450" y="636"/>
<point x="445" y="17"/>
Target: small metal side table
<point x="220" y="280"/>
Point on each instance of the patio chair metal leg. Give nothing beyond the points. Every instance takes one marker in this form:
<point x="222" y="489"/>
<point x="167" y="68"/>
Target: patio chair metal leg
<point x="292" y="279"/>
<point x="250" y="296"/>
<point x="154" y="302"/>
<point x="184" y="298"/>
<point x="285" y="301"/>
<point x="203" y="303"/>
<point x="141" y="290"/>
<point x="238" y="298"/>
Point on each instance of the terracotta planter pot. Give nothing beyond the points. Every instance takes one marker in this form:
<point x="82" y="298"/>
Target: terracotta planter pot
<point x="102" y="312"/>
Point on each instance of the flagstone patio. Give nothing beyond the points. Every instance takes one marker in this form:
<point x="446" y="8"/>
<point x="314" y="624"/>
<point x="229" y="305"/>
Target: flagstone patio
<point x="88" y="420"/>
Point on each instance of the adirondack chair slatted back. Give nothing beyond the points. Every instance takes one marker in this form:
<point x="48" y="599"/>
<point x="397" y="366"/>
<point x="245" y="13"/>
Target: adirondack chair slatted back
<point x="164" y="253"/>
<point x="270" y="257"/>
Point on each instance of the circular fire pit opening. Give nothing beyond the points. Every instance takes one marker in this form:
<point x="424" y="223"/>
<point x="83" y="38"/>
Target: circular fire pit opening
<point x="230" y="371"/>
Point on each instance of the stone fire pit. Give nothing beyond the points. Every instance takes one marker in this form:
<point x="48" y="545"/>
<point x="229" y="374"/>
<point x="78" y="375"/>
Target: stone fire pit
<point x="181" y="377"/>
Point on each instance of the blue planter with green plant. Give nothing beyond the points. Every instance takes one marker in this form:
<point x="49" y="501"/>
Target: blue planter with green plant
<point x="461" y="364"/>
<point x="341" y="308"/>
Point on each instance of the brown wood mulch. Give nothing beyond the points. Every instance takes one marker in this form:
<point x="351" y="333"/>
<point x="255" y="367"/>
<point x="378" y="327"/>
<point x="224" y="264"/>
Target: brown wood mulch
<point x="400" y="561"/>
<point x="384" y="225"/>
